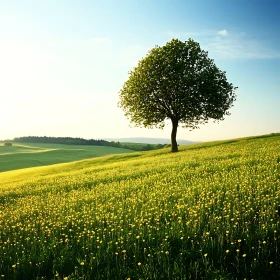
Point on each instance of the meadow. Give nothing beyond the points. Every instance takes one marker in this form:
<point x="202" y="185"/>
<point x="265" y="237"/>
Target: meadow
<point x="24" y="155"/>
<point x="207" y="212"/>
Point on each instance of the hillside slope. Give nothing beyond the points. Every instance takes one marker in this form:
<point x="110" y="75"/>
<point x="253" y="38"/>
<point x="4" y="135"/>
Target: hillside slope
<point x="24" y="155"/>
<point x="207" y="212"/>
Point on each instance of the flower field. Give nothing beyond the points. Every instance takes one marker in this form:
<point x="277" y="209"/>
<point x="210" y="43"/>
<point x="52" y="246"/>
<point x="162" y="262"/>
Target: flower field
<point x="207" y="212"/>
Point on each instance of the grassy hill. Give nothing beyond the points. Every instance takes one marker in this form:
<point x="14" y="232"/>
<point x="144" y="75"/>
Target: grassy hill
<point x="38" y="154"/>
<point x="207" y="212"/>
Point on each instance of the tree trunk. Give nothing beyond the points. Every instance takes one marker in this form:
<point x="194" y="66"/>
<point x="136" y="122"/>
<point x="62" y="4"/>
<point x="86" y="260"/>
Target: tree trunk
<point x="174" y="146"/>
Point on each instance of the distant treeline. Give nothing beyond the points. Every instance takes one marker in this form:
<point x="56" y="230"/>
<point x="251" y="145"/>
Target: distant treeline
<point x="92" y="142"/>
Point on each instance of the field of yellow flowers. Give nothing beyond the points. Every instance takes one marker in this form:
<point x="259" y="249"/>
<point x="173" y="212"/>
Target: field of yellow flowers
<point x="207" y="212"/>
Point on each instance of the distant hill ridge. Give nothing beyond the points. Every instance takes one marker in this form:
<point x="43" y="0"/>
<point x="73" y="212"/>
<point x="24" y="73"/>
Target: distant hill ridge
<point x="131" y="145"/>
<point x="147" y="140"/>
<point x="113" y="142"/>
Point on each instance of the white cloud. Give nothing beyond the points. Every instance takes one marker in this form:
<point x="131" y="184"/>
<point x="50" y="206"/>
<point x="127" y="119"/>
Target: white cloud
<point x="238" y="46"/>
<point x="222" y="32"/>
<point x="232" y="45"/>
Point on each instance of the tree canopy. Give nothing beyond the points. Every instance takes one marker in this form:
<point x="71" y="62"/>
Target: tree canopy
<point x="179" y="82"/>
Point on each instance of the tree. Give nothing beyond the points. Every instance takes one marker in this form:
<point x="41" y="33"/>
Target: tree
<point x="179" y="82"/>
<point x="8" y="144"/>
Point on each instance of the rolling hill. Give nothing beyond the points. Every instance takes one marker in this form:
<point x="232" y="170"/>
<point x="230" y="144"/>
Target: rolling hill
<point x="24" y="155"/>
<point x="207" y="212"/>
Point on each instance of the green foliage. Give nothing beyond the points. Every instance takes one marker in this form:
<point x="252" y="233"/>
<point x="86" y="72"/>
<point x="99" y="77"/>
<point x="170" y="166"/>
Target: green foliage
<point x="139" y="146"/>
<point x="208" y="212"/>
<point x="178" y="82"/>
<point x="8" y="144"/>
<point x="87" y="142"/>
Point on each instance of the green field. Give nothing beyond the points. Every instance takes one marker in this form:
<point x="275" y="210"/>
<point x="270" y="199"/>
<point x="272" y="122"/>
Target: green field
<point x="38" y="154"/>
<point x="207" y="212"/>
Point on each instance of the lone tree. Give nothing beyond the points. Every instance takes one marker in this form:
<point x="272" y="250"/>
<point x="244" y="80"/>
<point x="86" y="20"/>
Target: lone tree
<point x="178" y="82"/>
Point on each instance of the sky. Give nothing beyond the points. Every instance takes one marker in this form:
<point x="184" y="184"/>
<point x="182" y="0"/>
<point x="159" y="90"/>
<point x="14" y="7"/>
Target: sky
<point x="63" y="63"/>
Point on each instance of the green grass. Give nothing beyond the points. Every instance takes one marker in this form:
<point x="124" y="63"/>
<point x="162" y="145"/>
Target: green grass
<point x="207" y="212"/>
<point x="36" y="154"/>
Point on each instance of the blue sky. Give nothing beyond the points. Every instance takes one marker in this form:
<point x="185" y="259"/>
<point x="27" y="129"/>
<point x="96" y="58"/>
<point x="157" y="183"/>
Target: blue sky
<point x="63" y="62"/>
